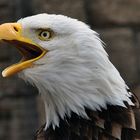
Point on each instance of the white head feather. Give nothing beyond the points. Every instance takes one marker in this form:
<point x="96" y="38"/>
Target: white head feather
<point x="76" y="72"/>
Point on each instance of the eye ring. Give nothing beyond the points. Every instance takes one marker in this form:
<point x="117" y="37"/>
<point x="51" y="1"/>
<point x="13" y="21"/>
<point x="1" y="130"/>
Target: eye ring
<point x="44" y="35"/>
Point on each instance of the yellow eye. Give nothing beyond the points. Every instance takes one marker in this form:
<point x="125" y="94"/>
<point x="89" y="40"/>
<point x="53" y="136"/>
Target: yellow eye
<point x="44" y="35"/>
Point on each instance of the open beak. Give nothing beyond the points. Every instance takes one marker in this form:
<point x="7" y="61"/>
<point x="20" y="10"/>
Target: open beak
<point x="12" y="33"/>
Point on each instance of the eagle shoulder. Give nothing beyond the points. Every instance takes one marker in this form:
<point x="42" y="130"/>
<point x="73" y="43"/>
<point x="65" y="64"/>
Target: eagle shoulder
<point x="113" y="123"/>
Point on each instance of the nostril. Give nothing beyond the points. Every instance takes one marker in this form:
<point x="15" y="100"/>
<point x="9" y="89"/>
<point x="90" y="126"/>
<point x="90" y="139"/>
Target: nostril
<point x="16" y="29"/>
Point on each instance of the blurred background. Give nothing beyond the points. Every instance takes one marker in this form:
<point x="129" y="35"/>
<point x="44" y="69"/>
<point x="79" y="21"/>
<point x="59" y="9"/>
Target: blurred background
<point x="117" y="22"/>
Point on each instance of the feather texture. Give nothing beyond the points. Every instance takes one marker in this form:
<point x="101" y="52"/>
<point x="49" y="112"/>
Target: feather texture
<point x="114" y="123"/>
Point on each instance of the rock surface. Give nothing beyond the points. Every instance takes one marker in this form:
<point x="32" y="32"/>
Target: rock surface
<point x="114" y="12"/>
<point x="72" y="8"/>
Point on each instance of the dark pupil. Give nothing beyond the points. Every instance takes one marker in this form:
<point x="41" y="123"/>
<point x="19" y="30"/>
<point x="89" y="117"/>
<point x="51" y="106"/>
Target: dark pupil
<point x="45" y="34"/>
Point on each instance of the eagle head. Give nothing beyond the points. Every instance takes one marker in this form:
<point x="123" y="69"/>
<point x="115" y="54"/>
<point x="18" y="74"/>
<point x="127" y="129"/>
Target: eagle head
<point x="66" y="61"/>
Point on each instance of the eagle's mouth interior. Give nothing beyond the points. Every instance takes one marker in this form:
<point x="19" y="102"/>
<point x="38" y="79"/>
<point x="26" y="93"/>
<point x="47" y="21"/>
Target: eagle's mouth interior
<point x="28" y="51"/>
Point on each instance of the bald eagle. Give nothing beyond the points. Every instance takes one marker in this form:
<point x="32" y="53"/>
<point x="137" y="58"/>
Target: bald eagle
<point x="84" y="95"/>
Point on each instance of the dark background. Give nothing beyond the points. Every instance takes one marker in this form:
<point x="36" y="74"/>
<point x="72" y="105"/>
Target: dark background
<point x="117" y="21"/>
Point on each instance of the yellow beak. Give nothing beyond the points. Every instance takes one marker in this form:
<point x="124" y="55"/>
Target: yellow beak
<point x="12" y="33"/>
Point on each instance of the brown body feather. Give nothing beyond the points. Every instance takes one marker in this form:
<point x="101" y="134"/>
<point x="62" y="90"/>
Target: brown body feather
<point x="114" y="123"/>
